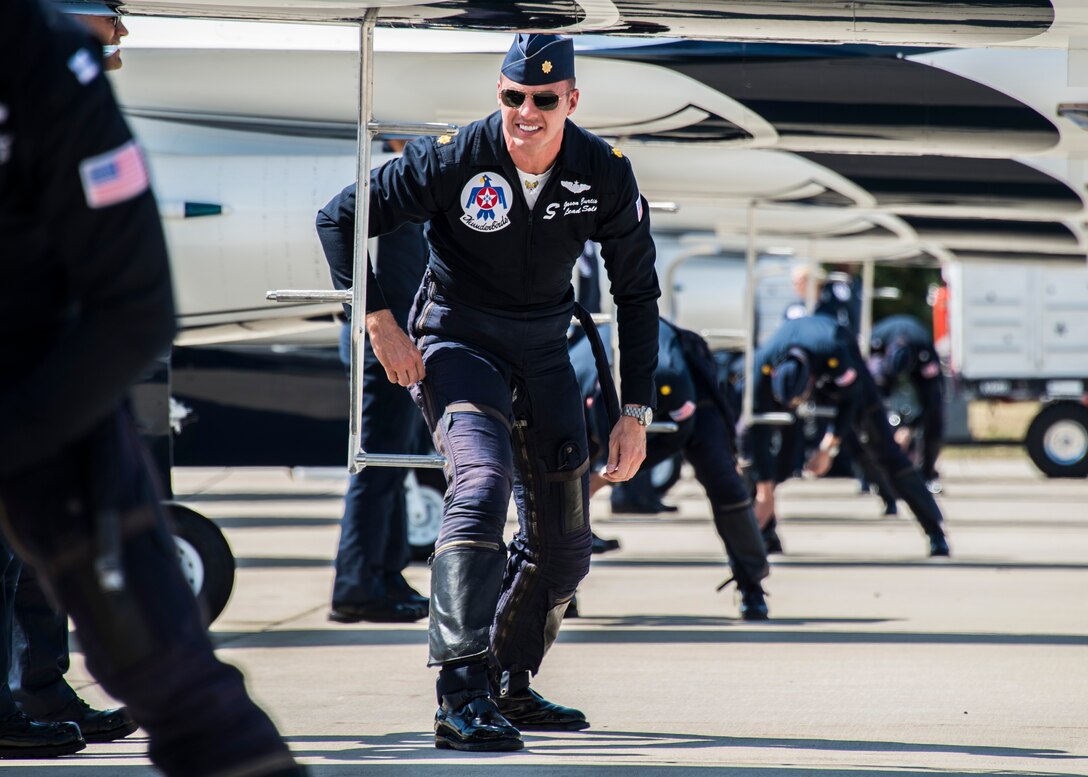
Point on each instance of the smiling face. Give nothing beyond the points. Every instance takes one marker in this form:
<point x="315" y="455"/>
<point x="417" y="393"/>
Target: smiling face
<point x="533" y="136"/>
<point x="109" y="30"/>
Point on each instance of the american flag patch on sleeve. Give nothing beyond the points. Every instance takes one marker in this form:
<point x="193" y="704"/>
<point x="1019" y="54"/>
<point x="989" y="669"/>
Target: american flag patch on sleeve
<point x="114" y="177"/>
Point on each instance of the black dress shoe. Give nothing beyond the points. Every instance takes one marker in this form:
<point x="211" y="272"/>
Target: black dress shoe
<point x="529" y="710"/>
<point x="21" y="737"/>
<point x="753" y="605"/>
<point x="770" y="537"/>
<point x="476" y="726"/>
<point x="381" y="611"/>
<point x="603" y="546"/>
<point x="95" y="725"/>
<point x="398" y="590"/>
<point x="938" y="547"/>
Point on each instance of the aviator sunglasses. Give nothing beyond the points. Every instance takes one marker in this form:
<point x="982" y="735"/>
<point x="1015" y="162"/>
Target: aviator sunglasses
<point x="545" y="101"/>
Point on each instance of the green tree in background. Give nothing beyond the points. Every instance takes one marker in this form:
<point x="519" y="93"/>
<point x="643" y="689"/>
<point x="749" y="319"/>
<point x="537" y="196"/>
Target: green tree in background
<point x="913" y="284"/>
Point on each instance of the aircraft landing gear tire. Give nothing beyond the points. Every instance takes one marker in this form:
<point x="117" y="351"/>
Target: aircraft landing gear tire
<point x="425" y="491"/>
<point x="207" y="562"/>
<point x="1057" y="440"/>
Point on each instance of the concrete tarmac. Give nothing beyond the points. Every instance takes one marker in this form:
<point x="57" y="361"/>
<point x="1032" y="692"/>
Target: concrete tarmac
<point x="877" y="662"/>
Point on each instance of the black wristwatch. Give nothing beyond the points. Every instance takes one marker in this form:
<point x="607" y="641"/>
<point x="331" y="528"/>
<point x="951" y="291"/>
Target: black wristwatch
<point x="641" y="413"/>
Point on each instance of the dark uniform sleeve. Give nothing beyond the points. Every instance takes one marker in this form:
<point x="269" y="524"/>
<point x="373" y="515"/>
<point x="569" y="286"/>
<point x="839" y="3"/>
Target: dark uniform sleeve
<point x="754" y="442"/>
<point x="336" y="231"/>
<point x="629" y="255"/>
<point x="845" y="372"/>
<point x="404" y="189"/>
<point x="121" y="311"/>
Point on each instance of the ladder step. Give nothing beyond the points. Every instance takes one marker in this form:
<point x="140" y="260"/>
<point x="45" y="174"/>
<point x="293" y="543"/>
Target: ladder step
<point x="316" y="295"/>
<point x="412" y="128"/>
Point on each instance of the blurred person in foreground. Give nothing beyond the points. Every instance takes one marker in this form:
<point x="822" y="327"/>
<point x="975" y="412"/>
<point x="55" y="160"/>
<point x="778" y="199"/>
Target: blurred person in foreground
<point x="85" y="305"/>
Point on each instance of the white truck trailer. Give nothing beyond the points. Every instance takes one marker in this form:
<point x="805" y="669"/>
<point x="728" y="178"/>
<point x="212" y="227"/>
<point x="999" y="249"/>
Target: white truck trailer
<point x="1020" y="332"/>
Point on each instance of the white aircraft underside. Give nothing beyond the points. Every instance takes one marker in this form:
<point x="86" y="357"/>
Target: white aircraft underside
<point x="259" y="120"/>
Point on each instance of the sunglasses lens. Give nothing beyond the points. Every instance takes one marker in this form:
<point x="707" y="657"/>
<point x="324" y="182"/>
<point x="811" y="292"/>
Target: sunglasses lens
<point x="546" y="101"/>
<point x="512" y="98"/>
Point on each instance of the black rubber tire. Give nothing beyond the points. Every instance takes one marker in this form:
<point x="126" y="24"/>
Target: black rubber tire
<point x="435" y="481"/>
<point x="1062" y="423"/>
<point x="206" y="540"/>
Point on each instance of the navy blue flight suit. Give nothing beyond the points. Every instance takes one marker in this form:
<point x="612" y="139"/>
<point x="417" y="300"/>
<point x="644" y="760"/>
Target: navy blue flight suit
<point x="500" y="395"/>
<point x="85" y="305"/>
<point x="841" y="380"/>
<point x="689" y="395"/>
<point x="901" y="347"/>
<point x="373" y="550"/>
<point x="841" y="302"/>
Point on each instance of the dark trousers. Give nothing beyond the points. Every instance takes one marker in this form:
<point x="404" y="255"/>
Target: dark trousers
<point x="144" y="640"/>
<point x="9" y="579"/>
<point x="373" y="547"/>
<point x="704" y="440"/>
<point x="503" y="405"/>
<point x="39" y="650"/>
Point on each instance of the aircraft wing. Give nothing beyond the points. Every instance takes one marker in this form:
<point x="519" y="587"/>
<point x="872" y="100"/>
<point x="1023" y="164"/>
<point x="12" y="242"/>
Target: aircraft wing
<point x="900" y="22"/>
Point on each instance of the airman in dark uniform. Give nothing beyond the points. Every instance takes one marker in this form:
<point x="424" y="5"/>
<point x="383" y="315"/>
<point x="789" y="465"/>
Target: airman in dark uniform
<point x="816" y="358"/>
<point x="901" y="348"/>
<point x="373" y="550"/>
<point x="689" y="395"/>
<point x="509" y="204"/>
<point x="85" y="305"/>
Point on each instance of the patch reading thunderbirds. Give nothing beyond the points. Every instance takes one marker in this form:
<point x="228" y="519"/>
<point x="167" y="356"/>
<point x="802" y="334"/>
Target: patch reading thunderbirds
<point x="547" y="66"/>
<point x="486" y="201"/>
<point x="444" y="139"/>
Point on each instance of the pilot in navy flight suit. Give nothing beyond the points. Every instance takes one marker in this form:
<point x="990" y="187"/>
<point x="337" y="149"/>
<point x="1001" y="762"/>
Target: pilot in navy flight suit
<point x="815" y="357"/>
<point x="901" y="347"/>
<point x="85" y="305"/>
<point x="509" y="204"/>
<point x="688" y="394"/>
<point x="373" y="551"/>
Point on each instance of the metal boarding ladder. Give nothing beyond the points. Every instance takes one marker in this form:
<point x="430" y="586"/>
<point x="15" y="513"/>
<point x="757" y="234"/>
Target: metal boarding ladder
<point x="356" y="296"/>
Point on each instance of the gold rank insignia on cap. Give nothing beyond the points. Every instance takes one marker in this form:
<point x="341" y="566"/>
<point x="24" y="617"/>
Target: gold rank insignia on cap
<point x="766" y="369"/>
<point x="666" y="390"/>
<point x="444" y="139"/>
<point x="546" y="66"/>
<point x="832" y="362"/>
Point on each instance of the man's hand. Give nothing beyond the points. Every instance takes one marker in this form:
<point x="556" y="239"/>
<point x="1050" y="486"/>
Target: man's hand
<point x="395" y="350"/>
<point x="903" y="437"/>
<point x="764" y="505"/>
<point x="819" y="463"/>
<point x="626" y="450"/>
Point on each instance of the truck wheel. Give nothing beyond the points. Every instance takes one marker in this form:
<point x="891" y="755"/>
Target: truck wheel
<point x="207" y="562"/>
<point x="1057" y="440"/>
<point x="424" y="501"/>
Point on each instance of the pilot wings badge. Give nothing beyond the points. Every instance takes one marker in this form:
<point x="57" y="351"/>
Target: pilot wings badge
<point x="577" y="187"/>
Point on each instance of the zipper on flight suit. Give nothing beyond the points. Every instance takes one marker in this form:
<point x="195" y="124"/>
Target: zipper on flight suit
<point x="465" y="544"/>
<point x="530" y="571"/>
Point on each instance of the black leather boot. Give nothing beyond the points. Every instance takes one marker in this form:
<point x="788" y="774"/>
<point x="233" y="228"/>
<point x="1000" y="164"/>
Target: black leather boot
<point x="912" y="489"/>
